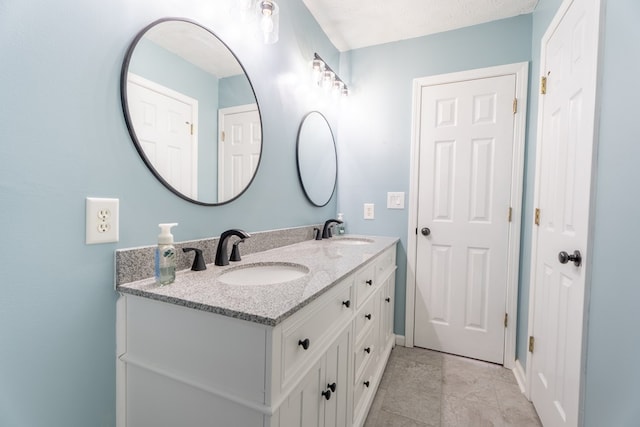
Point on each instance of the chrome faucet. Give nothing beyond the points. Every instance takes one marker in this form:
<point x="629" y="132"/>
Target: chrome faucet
<point x="326" y="230"/>
<point x="221" y="253"/>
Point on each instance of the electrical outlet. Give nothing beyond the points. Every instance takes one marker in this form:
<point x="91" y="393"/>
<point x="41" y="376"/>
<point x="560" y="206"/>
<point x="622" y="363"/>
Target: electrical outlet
<point x="369" y="211"/>
<point x="102" y="220"/>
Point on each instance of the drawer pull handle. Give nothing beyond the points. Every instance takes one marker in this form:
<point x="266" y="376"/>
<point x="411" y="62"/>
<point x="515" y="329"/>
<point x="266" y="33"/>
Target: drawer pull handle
<point x="346" y="303"/>
<point x="369" y="282"/>
<point x="304" y="343"/>
<point x="366" y="384"/>
<point x="332" y="387"/>
<point x="368" y="316"/>
<point x="327" y="394"/>
<point x="367" y="350"/>
<point x="387" y="299"/>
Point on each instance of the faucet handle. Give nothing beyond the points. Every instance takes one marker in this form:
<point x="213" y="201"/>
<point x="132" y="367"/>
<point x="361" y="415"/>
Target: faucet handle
<point x="235" y="251"/>
<point x="198" y="261"/>
<point x="318" y="235"/>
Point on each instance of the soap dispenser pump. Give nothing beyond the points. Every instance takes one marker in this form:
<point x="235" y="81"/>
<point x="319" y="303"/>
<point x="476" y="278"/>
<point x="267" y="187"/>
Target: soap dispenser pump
<point x="165" y="256"/>
<point x="340" y="225"/>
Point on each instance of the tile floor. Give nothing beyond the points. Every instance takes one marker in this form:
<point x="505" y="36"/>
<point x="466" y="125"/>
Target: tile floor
<point x="427" y="388"/>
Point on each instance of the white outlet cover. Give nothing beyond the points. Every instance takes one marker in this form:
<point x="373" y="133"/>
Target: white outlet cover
<point x="395" y="200"/>
<point x="369" y="212"/>
<point x="102" y="220"/>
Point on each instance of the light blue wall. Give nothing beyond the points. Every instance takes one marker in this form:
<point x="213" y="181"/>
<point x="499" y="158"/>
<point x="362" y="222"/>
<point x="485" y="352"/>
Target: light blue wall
<point x="63" y="138"/>
<point x="374" y="138"/>
<point x="157" y="64"/>
<point x="612" y="371"/>
<point x="235" y="90"/>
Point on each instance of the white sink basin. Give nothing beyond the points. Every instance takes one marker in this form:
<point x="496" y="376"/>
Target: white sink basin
<point x="263" y="274"/>
<point x="352" y="240"/>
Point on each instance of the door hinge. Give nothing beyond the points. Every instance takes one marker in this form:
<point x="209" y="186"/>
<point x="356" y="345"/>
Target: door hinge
<point x="506" y="319"/>
<point x="222" y="135"/>
<point x="531" y="344"/>
<point x="515" y="105"/>
<point x="509" y="214"/>
<point x="537" y="217"/>
<point x="543" y="85"/>
<point x="191" y="128"/>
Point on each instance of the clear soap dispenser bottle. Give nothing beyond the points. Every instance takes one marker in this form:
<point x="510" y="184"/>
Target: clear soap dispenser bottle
<point x="340" y="226"/>
<point x="165" y="255"/>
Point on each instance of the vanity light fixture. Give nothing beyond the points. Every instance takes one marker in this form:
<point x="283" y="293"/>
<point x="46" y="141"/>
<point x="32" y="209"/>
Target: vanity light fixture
<point x="326" y="78"/>
<point x="269" y="15"/>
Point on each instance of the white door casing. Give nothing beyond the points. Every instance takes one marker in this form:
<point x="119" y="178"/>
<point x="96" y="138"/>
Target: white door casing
<point x="239" y="146"/>
<point x="166" y="123"/>
<point x="564" y="165"/>
<point x="511" y="169"/>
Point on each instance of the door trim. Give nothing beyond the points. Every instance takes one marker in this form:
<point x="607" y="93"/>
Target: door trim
<point x="562" y="10"/>
<point x="521" y="71"/>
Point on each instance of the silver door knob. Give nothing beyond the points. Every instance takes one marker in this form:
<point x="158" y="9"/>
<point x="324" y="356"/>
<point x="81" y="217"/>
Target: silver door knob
<point x="576" y="258"/>
<point x="425" y="231"/>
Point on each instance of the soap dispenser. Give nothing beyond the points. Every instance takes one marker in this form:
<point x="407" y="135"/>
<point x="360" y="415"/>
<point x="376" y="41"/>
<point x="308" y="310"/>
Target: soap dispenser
<point x="165" y="255"/>
<point x="340" y="226"/>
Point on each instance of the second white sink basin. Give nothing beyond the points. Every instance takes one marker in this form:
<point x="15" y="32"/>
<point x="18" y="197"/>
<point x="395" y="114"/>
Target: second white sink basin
<point x="352" y="240"/>
<point x="263" y="274"/>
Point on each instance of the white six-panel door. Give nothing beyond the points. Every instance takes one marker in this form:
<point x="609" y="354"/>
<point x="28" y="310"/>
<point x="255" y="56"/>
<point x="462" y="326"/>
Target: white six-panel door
<point x="164" y="122"/>
<point x="563" y="185"/>
<point x="465" y="174"/>
<point x="238" y="149"/>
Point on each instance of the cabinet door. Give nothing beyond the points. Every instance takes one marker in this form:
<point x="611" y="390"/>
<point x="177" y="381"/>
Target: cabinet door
<point x="305" y="405"/>
<point x="337" y="363"/>
<point x="386" y="311"/>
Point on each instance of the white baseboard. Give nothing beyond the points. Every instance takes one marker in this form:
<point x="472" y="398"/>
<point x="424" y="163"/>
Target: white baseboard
<point x="521" y="377"/>
<point x="400" y="340"/>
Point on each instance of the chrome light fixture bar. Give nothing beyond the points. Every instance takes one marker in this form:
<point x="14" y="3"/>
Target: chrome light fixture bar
<point x="326" y="78"/>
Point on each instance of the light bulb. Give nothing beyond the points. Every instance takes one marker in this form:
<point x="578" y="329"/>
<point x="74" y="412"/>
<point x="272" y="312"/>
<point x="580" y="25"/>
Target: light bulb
<point x="318" y="68"/>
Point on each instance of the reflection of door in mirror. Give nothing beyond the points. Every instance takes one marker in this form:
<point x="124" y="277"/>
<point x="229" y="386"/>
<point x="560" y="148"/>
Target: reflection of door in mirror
<point x="166" y="125"/>
<point x="239" y="149"/>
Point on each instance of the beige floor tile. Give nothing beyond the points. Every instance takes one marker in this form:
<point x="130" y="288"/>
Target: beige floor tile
<point x="386" y="419"/>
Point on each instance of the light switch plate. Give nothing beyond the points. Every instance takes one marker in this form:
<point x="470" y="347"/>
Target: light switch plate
<point x="102" y="217"/>
<point x="369" y="211"/>
<point x="395" y="200"/>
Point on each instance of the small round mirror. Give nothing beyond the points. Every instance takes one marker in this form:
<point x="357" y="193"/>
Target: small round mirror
<point x="317" y="159"/>
<point x="191" y="111"/>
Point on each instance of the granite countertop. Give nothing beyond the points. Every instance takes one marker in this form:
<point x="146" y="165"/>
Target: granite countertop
<point x="328" y="262"/>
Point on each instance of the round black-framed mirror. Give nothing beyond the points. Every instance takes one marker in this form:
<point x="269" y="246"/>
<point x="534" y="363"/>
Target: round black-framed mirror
<point x="191" y="111"/>
<point x="317" y="159"/>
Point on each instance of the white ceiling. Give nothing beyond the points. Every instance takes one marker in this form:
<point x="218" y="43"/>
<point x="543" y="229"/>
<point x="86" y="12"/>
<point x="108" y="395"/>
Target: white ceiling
<point x="352" y="24"/>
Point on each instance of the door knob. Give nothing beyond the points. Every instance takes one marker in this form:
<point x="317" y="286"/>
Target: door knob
<point x="576" y="258"/>
<point x="425" y="231"/>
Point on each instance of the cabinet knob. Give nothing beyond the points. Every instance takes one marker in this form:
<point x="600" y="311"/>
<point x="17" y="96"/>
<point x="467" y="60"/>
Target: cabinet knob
<point x="366" y="384"/>
<point x="367" y="350"/>
<point x="346" y="303"/>
<point x="387" y="299"/>
<point x="368" y="316"/>
<point x="327" y="394"/>
<point x="305" y="343"/>
<point x="369" y="282"/>
<point x="332" y="387"/>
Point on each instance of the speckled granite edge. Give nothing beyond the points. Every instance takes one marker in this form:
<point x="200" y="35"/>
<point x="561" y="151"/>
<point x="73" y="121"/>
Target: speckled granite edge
<point x="133" y="264"/>
<point x="328" y="262"/>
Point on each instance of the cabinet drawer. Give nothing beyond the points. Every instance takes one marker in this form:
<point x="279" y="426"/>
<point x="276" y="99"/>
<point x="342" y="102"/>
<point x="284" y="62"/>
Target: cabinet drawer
<point x="385" y="263"/>
<point x="366" y="317"/>
<point x="307" y="331"/>
<point x="365" y="352"/>
<point x="362" y="389"/>
<point x="364" y="283"/>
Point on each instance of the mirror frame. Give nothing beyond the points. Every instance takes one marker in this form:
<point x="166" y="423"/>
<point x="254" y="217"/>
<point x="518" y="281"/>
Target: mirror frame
<point x="127" y="116"/>
<point x="335" y="151"/>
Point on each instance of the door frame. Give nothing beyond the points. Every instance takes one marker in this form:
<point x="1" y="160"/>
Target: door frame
<point x="562" y="10"/>
<point x="521" y="71"/>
